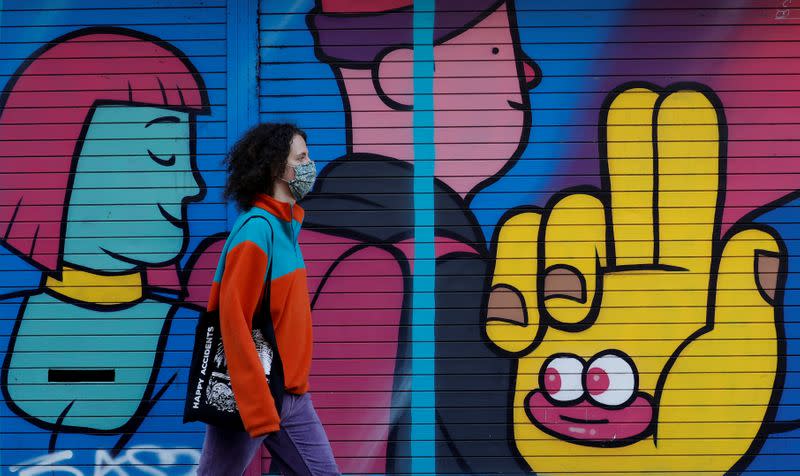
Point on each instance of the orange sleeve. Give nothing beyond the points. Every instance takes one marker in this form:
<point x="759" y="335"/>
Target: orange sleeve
<point x="241" y="291"/>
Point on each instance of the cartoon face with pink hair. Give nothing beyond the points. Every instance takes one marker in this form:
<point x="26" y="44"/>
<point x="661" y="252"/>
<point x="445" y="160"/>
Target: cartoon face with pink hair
<point x="97" y="167"/>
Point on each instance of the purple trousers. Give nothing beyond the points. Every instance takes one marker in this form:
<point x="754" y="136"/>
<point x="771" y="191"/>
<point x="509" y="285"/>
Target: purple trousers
<point x="301" y="446"/>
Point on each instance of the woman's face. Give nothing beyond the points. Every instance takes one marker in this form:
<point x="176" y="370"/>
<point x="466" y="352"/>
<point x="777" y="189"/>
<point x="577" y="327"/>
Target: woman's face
<point x="298" y="154"/>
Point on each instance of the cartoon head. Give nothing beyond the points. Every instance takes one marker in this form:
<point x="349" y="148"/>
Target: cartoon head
<point x="481" y="83"/>
<point x="120" y="109"/>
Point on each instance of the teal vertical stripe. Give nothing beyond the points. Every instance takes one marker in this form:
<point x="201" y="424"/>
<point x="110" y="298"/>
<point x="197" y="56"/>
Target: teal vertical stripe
<point x="423" y="397"/>
<point x="242" y="74"/>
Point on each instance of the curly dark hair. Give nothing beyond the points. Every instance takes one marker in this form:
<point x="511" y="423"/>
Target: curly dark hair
<point x="257" y="160"/>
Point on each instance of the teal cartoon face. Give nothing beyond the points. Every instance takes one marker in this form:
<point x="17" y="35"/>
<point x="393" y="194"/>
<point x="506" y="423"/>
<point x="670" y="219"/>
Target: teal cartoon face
<point x="132" y="181"/>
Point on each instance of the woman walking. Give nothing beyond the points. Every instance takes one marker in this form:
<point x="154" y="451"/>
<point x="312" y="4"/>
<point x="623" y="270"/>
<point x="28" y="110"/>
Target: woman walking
<point x="269" y="169"/>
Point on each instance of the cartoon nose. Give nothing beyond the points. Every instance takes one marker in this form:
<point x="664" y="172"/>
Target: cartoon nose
<point x="532" y="73"/>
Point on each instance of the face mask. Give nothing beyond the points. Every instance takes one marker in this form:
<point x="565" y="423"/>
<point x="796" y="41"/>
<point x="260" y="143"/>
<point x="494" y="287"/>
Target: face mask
<point x="304" y="177"/>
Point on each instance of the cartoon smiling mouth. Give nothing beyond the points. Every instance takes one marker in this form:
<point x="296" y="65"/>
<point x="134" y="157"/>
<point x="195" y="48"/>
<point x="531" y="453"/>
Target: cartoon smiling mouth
<point x="586" y="423"/>
<point x="517" y="105"/>
<point x="170" y="218"/>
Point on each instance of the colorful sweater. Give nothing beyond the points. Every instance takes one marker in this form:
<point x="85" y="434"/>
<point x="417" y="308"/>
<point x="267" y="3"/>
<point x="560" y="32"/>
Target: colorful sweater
<point x="237" y="292"/>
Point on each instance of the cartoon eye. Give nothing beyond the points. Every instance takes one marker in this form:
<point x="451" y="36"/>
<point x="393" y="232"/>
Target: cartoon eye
<point x="561" y="378"/>
<point x="495" y="50"/>
<point x="160" y="161"/>
<point x="610" y="380"/>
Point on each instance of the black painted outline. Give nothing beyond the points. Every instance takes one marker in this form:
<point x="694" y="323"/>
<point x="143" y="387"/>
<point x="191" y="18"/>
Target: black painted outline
<point x="376" y="81"/>
<point x="162" y="162"/>
<point x="197" y="254"/>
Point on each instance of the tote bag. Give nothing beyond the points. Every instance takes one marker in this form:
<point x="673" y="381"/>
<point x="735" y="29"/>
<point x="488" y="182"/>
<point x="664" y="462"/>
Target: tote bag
<point x="209" y="395"/>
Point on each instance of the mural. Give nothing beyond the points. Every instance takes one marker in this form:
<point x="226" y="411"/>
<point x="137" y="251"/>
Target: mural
<point x="615" y="233"/>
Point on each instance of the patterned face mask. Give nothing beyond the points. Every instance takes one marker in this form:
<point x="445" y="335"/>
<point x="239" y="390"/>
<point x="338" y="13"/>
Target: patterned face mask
<point x="304" y="177"/>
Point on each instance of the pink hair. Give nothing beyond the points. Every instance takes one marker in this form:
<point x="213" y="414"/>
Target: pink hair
<point x="44" y="111"/>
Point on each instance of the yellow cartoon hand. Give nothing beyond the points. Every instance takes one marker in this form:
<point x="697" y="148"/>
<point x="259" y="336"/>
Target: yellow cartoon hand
<point x="636" y="336"/>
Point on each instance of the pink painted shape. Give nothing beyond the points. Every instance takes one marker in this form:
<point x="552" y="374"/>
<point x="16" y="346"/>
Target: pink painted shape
<point x="201" y="275"/>
<point x="529" y="71"/>
<point x="164" y="278"/>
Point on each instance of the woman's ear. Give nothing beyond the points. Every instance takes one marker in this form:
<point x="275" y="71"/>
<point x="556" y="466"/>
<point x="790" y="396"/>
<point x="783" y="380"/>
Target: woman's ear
<point x="392" y="77"/>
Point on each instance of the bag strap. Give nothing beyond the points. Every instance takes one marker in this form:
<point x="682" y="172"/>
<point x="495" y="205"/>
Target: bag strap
<point x="268" y="284"/>
<point x="264" y="322"/>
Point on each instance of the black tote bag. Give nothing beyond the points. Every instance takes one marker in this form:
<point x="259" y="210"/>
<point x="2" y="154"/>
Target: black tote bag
<point x="209" y="394"/>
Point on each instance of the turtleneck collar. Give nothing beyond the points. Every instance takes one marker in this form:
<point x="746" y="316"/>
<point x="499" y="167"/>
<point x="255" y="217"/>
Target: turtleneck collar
<point x="88" y="287"/>
<point x="284" y="211"/>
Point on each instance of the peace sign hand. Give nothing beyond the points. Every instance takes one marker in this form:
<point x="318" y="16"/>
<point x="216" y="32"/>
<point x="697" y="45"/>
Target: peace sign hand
<point x="636" y="335"/>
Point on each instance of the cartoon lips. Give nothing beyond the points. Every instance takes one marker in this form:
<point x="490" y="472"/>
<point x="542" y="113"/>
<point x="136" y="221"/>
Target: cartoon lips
<point x="592" y="404"/>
